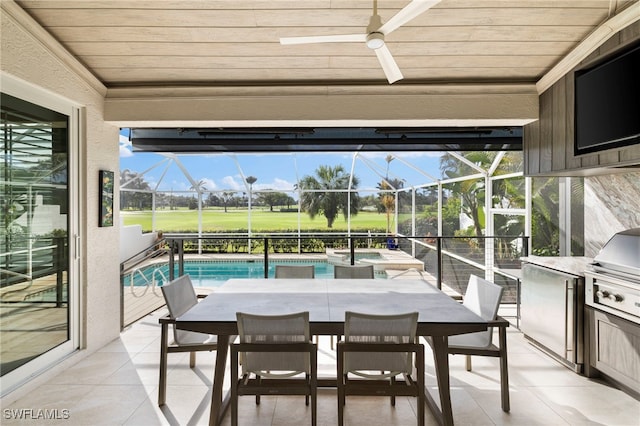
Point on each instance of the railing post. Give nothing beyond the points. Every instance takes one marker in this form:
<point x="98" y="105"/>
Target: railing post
<point x="439" y="256"/>
<point x="172" y="252"/>
<point x="181" y="258"/>
<point x="266" y="257"/>
<point x="121" y="297"/>
<point x="352" y="250"/>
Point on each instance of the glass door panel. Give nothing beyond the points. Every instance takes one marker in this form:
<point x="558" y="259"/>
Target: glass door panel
<point x="34" y="232"/>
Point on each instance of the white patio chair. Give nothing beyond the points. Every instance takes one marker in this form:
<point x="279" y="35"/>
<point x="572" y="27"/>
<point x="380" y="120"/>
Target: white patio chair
<point x="376" y="349"/>
<point x="273" y="349"/>
<point x="353" y="271"/>
<point x="295" y="271"/>
<point x="483" y="298"/>
<point x="179" y="296"/>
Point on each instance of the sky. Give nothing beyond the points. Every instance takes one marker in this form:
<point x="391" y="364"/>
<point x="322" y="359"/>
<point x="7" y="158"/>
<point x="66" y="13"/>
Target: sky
<point x="273" y="171"/>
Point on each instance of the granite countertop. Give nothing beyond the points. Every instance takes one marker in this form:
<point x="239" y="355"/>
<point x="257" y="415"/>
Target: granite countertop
<point x="575" y="265"/>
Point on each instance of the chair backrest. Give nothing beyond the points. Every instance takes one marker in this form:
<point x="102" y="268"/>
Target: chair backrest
<point x="391" y="329"/>
<point x="180" y="296"/>
<point x="280" y="329"/>
<point x="295" y="271"/>
<point x="348" y="271"/>
<point x="483" y="298"/>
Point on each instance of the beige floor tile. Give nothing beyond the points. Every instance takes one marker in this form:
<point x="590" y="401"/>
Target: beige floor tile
<point x="108" y="405"/>
<point x="526" y="408"/>
<point x="118" y="385"/>
<point x="591" y="405"/>
<point x="371" y="411"/>
<point x="51" y="397"/>
<point x="185" y="405"/>
<point x="149" y="414"/>
<point x="93" y="369"/>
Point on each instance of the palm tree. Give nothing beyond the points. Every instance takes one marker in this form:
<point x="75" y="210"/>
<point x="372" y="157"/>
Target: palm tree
<point x="387" y="200"/>
<point x="226" y="197"/>
<point x="471" y="191"/>
<point x="319" y="195"/>
<point x="251" y="180"/>
<point x="133" y="180"/>
<point x="199" y="187"/>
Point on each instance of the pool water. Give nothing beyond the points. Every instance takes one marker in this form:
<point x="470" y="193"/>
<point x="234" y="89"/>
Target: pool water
<point x="215" y="273"/>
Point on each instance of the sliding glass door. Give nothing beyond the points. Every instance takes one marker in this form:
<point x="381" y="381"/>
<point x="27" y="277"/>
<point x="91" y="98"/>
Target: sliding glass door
<point x="37" y="311"/>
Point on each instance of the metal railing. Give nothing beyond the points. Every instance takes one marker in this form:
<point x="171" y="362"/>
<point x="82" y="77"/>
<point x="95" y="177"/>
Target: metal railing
<point x="485" y="253"/>
<point x="25" y="260"/>
<point x="450" y="259"/>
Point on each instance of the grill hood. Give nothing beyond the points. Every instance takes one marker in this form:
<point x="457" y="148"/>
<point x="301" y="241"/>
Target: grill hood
<point x="621" y="253"/>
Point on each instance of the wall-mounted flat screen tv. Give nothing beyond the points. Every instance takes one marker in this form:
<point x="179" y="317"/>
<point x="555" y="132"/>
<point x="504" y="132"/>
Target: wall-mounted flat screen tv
<point x="607" y="103"/>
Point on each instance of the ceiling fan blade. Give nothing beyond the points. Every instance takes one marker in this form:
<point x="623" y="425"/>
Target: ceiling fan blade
<point x="342" y="38"/>
<point x="409" y="12"/>
<point x="388" y="64"/>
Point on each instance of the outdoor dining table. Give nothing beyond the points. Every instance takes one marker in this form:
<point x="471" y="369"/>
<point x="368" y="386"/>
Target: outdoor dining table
<point x="327" y="300"/>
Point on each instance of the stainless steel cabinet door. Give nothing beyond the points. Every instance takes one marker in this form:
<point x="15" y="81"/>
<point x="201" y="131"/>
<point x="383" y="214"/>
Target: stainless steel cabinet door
<point x="548" y="309"/>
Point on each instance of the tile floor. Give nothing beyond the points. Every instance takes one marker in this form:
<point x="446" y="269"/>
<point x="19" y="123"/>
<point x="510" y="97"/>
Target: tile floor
<point x="118" y="386"/>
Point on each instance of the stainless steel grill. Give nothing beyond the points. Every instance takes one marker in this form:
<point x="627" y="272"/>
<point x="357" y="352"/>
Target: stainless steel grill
<point x="613" y="283"/>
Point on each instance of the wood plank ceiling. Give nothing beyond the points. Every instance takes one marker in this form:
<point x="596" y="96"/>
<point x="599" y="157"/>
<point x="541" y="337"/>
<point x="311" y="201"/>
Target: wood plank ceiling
<point x="132" y="43"/>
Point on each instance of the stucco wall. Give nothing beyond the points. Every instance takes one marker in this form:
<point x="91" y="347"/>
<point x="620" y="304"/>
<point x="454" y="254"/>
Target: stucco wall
<point x="28" y="55"/>
<point x="133" y="241"/>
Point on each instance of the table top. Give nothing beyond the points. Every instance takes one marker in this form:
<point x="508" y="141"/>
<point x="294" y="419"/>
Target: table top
<point x="327" y="300"/>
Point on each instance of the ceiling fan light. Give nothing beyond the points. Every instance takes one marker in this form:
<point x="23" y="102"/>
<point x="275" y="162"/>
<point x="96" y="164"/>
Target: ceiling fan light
<point x="375" y="40"/>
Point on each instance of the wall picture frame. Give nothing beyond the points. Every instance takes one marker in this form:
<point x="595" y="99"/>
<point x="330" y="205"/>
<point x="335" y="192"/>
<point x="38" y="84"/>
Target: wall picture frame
<point x="106" y="198"/>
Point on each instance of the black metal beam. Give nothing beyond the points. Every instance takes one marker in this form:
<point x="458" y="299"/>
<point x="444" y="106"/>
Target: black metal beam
<point x="261" y="140"/>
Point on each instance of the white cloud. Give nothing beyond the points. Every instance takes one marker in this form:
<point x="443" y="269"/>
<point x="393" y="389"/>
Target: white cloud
<point x="125" y="151"/>
<point x="176" y="185"/>
<point x="277" y="184"/>
<point x="210" y="184"/>
<point x="125" y="147"/>
<point x="231" y="182"/>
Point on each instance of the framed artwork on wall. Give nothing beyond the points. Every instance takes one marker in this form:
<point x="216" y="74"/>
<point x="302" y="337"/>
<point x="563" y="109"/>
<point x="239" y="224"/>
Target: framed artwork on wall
<point x="106" y="198"/>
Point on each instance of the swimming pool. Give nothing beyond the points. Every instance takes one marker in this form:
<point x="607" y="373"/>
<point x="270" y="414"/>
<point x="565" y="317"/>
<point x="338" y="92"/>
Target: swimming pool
<point x="213" y="273"/>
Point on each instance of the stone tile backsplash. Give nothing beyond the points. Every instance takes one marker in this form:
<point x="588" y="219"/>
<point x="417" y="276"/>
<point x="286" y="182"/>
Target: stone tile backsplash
<point x="612" y="204"/>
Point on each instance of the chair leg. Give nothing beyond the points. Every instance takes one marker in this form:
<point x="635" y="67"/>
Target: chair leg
<point x="192" y="359"/>
<point x="393" y="397"/>
<point x="259" y="379"/>
<point x="306" y="397"/>
<point x="234" y="387"/>
<point x="504" y="371"/>
<point x="162" y="387"/>
<point x="337" y="339"/>
<point x="341" y="379"/>
<point x="468" y="362"/>
<point x="421" y="388"/>
<point x="314" y="385"/>
<point x="341" y="403"/>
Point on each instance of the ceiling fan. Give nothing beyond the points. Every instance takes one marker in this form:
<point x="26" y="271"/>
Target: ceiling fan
<point x="374" y="37"/>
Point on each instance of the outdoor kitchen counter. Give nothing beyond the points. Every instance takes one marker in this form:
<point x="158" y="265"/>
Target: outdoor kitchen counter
<point x="575" y="265"/>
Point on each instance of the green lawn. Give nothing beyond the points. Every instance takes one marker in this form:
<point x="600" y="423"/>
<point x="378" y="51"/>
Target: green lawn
<point x="217" y="221"/>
